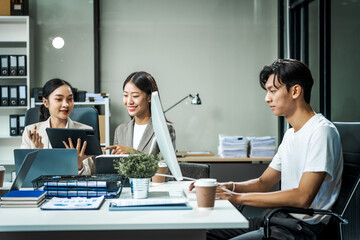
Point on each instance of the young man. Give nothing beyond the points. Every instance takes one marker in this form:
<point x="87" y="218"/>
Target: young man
<point x="308" y="162"/>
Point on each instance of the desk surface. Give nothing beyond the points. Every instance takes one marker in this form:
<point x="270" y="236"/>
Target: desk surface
<point x="224" y="215"/>
<point x="220" y="159"/>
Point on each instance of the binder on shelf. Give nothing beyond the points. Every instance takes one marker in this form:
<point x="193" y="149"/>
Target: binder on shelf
<point x="19" y="8"/>
<point x="13" y="125"/>
<point x="4" y="96"/>
<point x="22" y="95"/>
<point x="13" y="92"/>
<point x="37" y="93"/>
<point x="13" y="65"/>
<point x="22" y="65"/>
<point x="4" y="65"/>
<point x="21" y="124"/>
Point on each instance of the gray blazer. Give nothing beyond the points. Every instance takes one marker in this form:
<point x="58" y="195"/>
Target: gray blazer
<point x="124" y="136"/>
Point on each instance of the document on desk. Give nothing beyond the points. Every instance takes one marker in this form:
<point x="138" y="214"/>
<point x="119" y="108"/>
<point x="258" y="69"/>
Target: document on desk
<point x="74" y="203"/>
<point x="149" y="204"/>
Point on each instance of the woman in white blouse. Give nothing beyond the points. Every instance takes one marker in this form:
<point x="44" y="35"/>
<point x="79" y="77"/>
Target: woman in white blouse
<point x="58" y="102"/>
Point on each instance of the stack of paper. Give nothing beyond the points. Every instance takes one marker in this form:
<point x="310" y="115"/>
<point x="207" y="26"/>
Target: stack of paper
<point x="18" y="199"/>
<point x="262" y="147"/>
<point x="232" y="146"/>
<point x="96" y="97"/>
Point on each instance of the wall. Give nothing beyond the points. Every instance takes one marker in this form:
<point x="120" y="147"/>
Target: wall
<point x="73" y="21"/>
<point x="345" y="55"/>
<point x="213" y="47"/>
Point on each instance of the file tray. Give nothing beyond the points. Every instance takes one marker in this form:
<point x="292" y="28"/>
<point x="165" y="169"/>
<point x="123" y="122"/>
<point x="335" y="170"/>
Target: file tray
<point x="107" y="185"/>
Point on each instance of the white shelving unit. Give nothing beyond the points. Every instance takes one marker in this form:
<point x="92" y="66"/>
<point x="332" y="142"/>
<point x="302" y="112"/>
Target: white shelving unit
<point x="14" y="40"/>
<point x="105" y="104"/>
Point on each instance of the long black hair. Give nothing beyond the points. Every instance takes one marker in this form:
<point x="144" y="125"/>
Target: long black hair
<point x="289" y="72"/>
<point x="144" y="81"/>
<point x="48" y="88"/>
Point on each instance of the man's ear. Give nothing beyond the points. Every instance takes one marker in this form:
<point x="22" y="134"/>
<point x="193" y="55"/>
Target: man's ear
<point x="45" y="102"/>
<point x="149" y="98"/>
<point x="296" y="91"/>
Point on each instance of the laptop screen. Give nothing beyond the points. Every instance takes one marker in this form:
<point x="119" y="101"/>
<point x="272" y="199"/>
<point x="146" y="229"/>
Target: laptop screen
<point x="47" y="162"/>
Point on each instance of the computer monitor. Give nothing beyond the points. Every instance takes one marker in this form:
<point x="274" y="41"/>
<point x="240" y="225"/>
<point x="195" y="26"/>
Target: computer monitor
<point x="163" y="137"/>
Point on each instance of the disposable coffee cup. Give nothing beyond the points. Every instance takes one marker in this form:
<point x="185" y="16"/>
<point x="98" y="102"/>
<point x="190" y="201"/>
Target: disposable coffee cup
<point x="2" y="175"/>
<point x="162" y="170"/>
<point x="205" y="192"/>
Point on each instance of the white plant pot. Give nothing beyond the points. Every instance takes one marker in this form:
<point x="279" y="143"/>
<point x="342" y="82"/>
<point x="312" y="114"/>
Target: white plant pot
<point x="139" y="187"/>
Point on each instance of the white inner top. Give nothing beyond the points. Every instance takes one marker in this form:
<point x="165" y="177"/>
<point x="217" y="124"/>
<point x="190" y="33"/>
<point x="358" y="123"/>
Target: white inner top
<point x="138" y="133"/>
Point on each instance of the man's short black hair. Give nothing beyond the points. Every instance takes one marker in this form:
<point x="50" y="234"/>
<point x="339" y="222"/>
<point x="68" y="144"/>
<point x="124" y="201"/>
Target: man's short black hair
<point x="289" y="72"/>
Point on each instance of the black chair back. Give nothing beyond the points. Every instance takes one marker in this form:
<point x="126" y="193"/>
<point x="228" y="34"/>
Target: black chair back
<point x="85" y="115"/>
<point x="348" y="203"/>
<point x="195" y="170"/>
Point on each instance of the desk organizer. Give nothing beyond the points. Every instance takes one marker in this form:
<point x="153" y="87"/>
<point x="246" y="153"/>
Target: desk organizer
<point x="109" y="185"/>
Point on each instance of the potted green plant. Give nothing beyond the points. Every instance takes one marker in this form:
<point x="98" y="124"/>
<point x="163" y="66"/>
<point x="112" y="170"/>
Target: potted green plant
<point x="139" y="168"/>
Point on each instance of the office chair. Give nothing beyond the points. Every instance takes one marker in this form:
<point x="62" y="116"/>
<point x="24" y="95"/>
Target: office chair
<point x="85" y="115"/>
<point x="193" y="170"/>
<point x="346" y="208"/>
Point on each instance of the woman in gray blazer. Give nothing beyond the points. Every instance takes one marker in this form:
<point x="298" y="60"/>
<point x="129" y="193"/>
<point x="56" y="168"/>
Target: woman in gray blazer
<point x="58" y="102"/>
<point x="137" y="134"/>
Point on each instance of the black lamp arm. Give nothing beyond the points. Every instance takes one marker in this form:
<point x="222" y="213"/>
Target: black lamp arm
<point x="177" y="103"/>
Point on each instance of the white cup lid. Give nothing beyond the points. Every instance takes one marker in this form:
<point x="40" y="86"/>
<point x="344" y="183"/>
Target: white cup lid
<point x="162" y="164"/>
<point x="2" y="168"/>
<point x="206" y="182"/>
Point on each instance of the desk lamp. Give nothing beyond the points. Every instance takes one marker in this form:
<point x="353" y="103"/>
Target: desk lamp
<point x="195" y="101"/>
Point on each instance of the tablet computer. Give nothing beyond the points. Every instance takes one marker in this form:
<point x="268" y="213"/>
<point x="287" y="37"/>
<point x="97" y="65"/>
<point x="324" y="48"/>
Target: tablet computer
<point x="58" y="135"/>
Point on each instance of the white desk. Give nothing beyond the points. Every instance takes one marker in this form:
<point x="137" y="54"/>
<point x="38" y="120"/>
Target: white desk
<point x="16" y="223"/>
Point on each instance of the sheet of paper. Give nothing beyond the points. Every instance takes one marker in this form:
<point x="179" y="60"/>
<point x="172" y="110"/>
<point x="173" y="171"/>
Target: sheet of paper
<point x="73" y="203"/>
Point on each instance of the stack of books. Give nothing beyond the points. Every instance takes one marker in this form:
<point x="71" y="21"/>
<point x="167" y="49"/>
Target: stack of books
<point x="232" y="146"/>
<point x="262" y="147"/>
<point x="23" y="198"/>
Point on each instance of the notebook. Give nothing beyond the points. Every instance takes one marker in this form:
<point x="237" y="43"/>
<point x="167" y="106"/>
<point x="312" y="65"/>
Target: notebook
<point x="47" y="162"/>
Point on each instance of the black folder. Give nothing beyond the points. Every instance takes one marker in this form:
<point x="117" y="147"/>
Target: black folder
<point x="13" y="125"/>
<point x="4" y="65"/>
<point x="21" y="124"/>
<point x="22" y="65"/>
<point x="13" y="66"/>
<point x="13" y="92"/>
<point x="22" y="95"/>
<point x="4" y="96"/>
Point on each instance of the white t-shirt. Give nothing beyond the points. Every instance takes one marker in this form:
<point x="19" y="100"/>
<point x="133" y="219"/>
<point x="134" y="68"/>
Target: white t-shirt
<point x="138" y="133"/>
<point x="316" y="147"/>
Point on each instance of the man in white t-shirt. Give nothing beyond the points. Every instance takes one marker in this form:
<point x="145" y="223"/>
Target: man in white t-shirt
<point x="308" y="162"/>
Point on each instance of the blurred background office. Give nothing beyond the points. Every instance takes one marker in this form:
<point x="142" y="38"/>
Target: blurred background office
<point x="212" y="47"/>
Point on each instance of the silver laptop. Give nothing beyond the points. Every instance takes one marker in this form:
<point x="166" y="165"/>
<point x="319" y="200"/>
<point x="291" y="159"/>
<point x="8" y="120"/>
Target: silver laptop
<point x="47" y="162"/>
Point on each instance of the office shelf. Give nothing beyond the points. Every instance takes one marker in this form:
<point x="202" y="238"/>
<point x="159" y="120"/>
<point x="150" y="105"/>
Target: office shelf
<point x="14" y="40"/>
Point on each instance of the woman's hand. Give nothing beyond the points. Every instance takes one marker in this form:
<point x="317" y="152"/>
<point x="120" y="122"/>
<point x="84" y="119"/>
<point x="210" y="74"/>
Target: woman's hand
<point x="223" y="192"/>
<point x="81" y="152"/>
<point x="120" y="149"/>
<point x="35" y="138"/>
